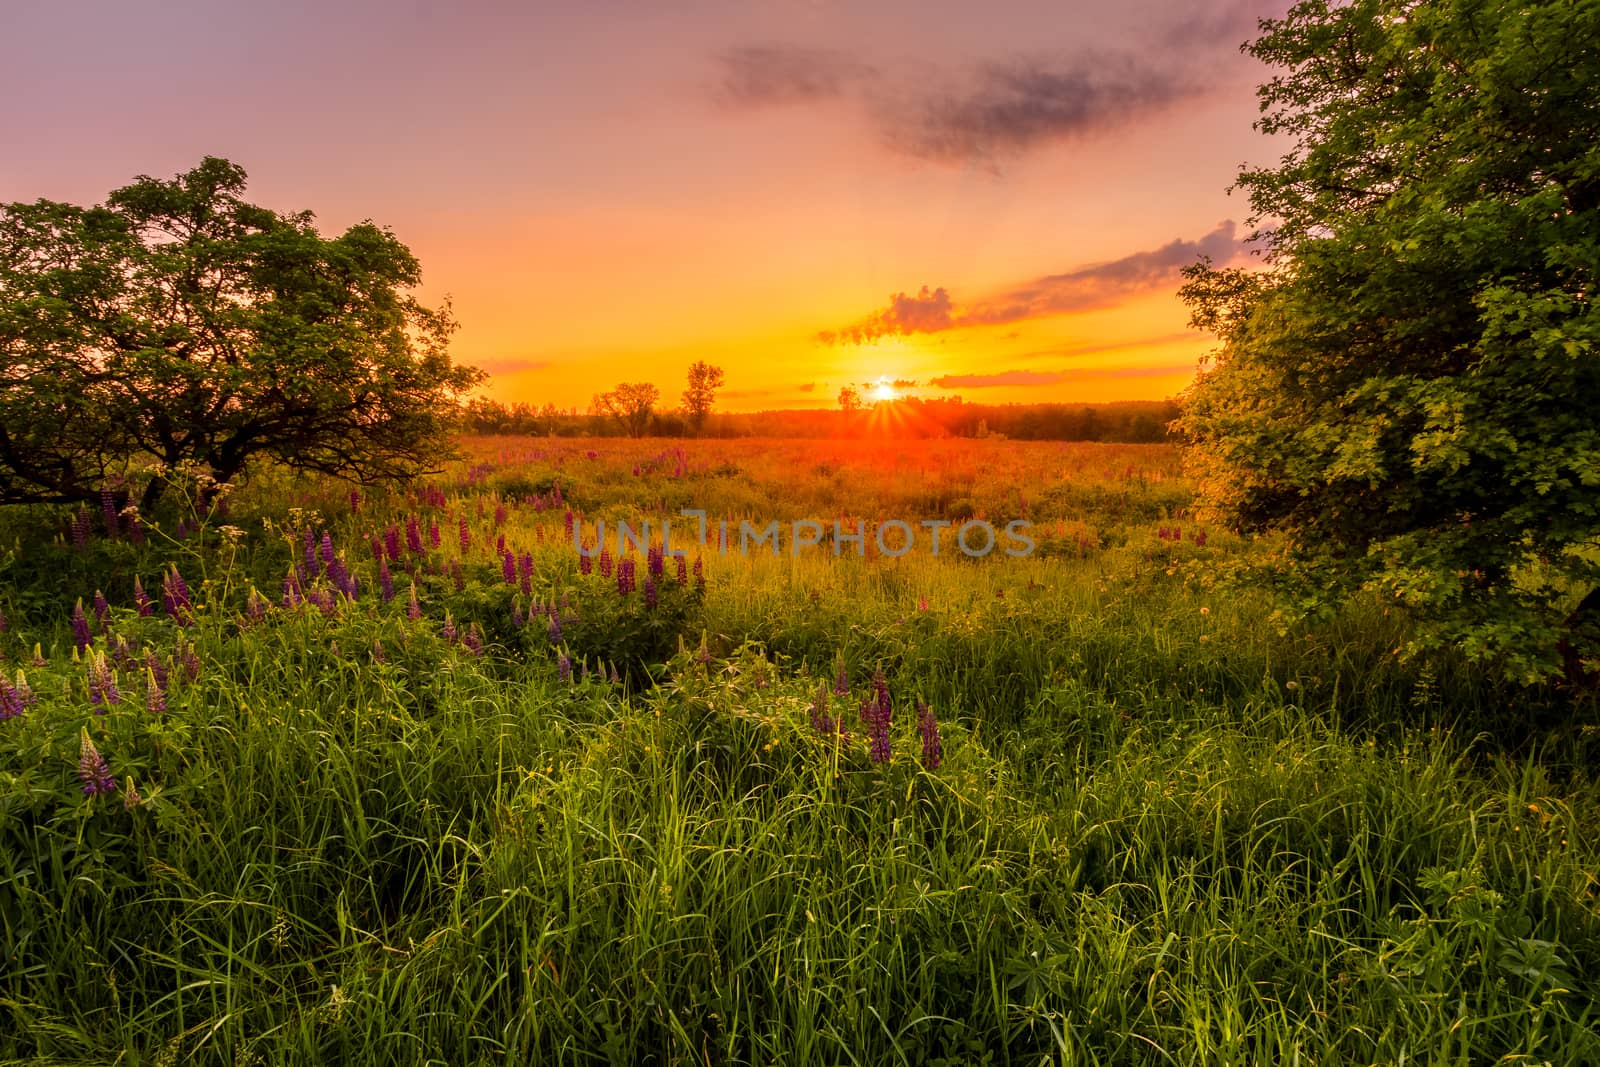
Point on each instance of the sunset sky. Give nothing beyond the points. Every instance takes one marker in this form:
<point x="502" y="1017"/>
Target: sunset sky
<point x="990" y="200"/>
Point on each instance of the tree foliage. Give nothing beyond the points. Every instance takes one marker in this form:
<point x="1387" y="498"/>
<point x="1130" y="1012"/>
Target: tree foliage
<point x="630" y="404"/>
<point x="1409" y="391"/>
<point x="704" y="381"/>
<point x="181" y="324"/>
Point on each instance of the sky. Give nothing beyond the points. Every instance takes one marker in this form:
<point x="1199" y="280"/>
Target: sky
<point x="986" y="200"/>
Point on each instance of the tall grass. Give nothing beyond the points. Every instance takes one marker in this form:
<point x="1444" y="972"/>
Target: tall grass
<point x="1163" y="831"/>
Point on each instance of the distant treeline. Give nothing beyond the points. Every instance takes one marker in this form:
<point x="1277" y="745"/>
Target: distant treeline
<point x="1135" y="421"/>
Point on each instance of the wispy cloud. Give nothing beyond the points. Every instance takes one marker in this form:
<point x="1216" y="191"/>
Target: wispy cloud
<point x="1086" y="288"/>
<point x="1025" y="378"/>
<point x="777" y="74"/>
<point x="509" y="365"/>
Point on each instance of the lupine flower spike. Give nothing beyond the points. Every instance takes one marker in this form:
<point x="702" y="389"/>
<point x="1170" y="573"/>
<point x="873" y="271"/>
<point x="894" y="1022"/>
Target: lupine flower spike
<point x="93" y="771"/>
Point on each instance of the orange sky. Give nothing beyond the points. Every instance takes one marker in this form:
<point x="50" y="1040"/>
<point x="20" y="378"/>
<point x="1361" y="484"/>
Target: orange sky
<point x="989" y="200"/>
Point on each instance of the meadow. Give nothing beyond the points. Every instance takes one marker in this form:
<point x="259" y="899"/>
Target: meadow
<point x="291" y="774"/>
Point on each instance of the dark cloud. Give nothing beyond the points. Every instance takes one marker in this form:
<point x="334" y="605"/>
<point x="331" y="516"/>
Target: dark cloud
<point x="1037" y="377"/>
<point x="1099" y="286"/>
<point x="926" y="312"/>
<point x="764" y="75"/>
<point x="1008" y="108"/>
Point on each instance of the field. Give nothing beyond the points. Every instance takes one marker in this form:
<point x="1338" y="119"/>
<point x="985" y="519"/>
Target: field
<point x="403" y="778"/>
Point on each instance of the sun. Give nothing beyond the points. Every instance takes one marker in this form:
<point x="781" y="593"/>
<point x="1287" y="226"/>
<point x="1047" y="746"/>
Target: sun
<point x="884" y="389"/>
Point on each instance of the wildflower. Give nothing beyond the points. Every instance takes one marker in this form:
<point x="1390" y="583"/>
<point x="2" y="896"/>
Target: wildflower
<point x="654" y="562"/>
<point x="616" y="679"/>
<point x="14" y="699"/>
<point x="385" y="581"/>
<point x="605" y="562"/>
<point x="525" y="572"/>
<point x="508" y="568"/>
<point x="625" y="583"/>
<point x="555" y="628"/>
<point x="821" y="721"/>
<point x="155" y="692"/>
<point x="932" y="744"/>
<point x="516" y="615"/>
<point x="103" y="689"/>
<point x="413" y="535"/>
<point x="175" y="596"/>
<point x="564" y="666"/>
<point x="569" y="521"/>
<point x="585" y="560"/>
<point x="80" y="530"/>
<point x="391" y="543"/>
<point x="80" y="627"/>
<point x="465" y="535"/>
<point x="108" y="511"/>
<point x="841" y="682"/>
<point x="683" y="569"/>
<point x="355" y="501"/>
<point x="93" y="771"/>
<point x="699" y="574"/>
<point x="703" y="657"/>
<point x="130" y="796"/>
<point x="38" y="656"/>
<point x="876" y="712"/>
<point x="457" y="575"/>
<point x="327" y="549"/>
<point x="650" y="593"/>
<point x="922" y="603"/>
<point x="472" y="640"/>
<point x="377" y="651"/>
<point x="413" y="608"/>
<point x="189" y="660"/>
<point x="449" y="628"/>
<point x="434" y="537"/>
<point x="311" y="550"/>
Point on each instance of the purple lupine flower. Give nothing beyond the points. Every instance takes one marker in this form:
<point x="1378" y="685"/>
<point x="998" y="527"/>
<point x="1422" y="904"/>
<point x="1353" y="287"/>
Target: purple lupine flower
<point x="103" y="689"/>
<point x="466" y="535"/>
<point x="108" y="511"/>
<point x="554" y="628"/>
<point x="699" y="573"/>
<point x="327" y="549"/>
<point x="80" y="530"/>
<point x="654" y="562"/>
<point x="500" y="515"/>
<point x="311" y="551"/>
<point x="189" y="660"/>
<point x="585" y="560"/>
<point x="292" y="593"/>
<point x="500" y="543"/>
<point x="355" y="501"/>
<point x="650" y="599"/>
<point x="157" y="670"/>
<point x="12" y="699"/>
<point x="564" y="666"/>
<point x="135" y="530"/>
<point x="472" y="640"/>
<point x="703" y="657"/>
<point x="93" y="771"/>
<point x="821" y="721"/>
<point x="457" y="575"/>
<point x="625" y="582"/>
<point x="122" y="653"/>
<point x="130" y="797"/>
<point x="38" y="656"/>
<point x="683" y="569"/>
<point x="932" y="744"/>
<point x="375" y="545"/>
<point x="449" y="628"/>
<point x="413" y="608"/>
<point x="377" y="651"/>
<point x="80" y="627"/>
<point x="508" y="568"/>
<point x="875" y="712"/>
<point x="525" y="572"/>
<point x="516" y="615"/>
<point x="569" y="517"/>
<point x="605" y="562"/>
<point x="434" y="537"/>
<point x="841" y="682"/>
<point x="391" y="542"/>
<point x="413" y="535"/>
<point x="175" y="596"/>
<point x="155" y="693"/>
<point x="385" y="581"/>
<point x="255" y="606"/>
<point x="102" y="610"/>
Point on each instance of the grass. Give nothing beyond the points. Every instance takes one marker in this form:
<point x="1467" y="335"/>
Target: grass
<point x="1163" y="831"/>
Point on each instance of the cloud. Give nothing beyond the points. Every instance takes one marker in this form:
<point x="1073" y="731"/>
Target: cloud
<point x="1004" y="109"/>
<point x="808" y="387"/>
<point x="1015" y="378"/>
<point x="778" y="74"/>
<point x="510" y="365"/>
<point x="1087" y="288"/>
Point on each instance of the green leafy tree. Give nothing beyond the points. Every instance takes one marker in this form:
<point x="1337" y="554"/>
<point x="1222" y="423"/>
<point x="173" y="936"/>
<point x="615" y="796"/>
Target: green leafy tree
<point x="630" y="404"/>
<point x="178" y="323"/>
<point x="1409" y="391"/>
<point x="704" y="381"/>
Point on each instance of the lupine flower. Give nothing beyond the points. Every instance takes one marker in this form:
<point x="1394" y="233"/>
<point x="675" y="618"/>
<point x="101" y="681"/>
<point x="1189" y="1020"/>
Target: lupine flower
<point x="311" y="551"/>
<point x="457" y="575"/>
<point x="569" y="517"/>
<point x="466" y="535"/>
<point x="525" y="572"/>
<point x="434" y="537"/>
<point x="413" y="608"/>
<point x="650" y="592"/>
<point x="683" y="570"/>
<point x="377" y="651"/>
<point x="14" y="699"/>
<point x="932" y="744"/>
<point x="122" y="653"/>
<point x="108" y="511"/>
<point x="189" y="660"/>
<point x="699" y="573"/>
<point x="605" y="562"/>
<point x="80" y="627"/>
<point x="472" y="641"/>
<point x="500" y="515"/>
<point x="625" y="576"/>
<point x="413" y="535"/>
<point x="327" y="549"/>
<point x="500" y="543"/>
<point x="449" y="628"/>
<point x="703" y="657"/>
<point x="155" y="693"/>
<point x="135" y="530"/>
<point x="841" y="681"/>
<point x="516" y="615"/>
<point x="564" y="666"/>
<point x="103" y="689"/>
<point x="385" y="581"/>
<point x="391" y="542"/>
<point x="555" y="628"/>
<point x="508" y="568"/>
<point x="291" y="590"/>
<point x="376" y="545"/>
<point x="876" y="712"/>
<point x="616" y="679"/>
<point x="80" y="530"/>
<point x="38" y="656"/>
<point x="175" y="596"/>
<point x="93" y="771"/>
<point x="130" y="796"/>
<point x="157" y="669"/>
<point x="654" y="562"/>
<point x="821" y="721"/>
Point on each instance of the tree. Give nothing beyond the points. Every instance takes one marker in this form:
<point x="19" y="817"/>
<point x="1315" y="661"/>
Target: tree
<point x="1408" y="393"/>
<point x="630" y="404"/>
<point x="180" y="324"/>
<point x="849" y="399"/>
<point x="704" y="381"/>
